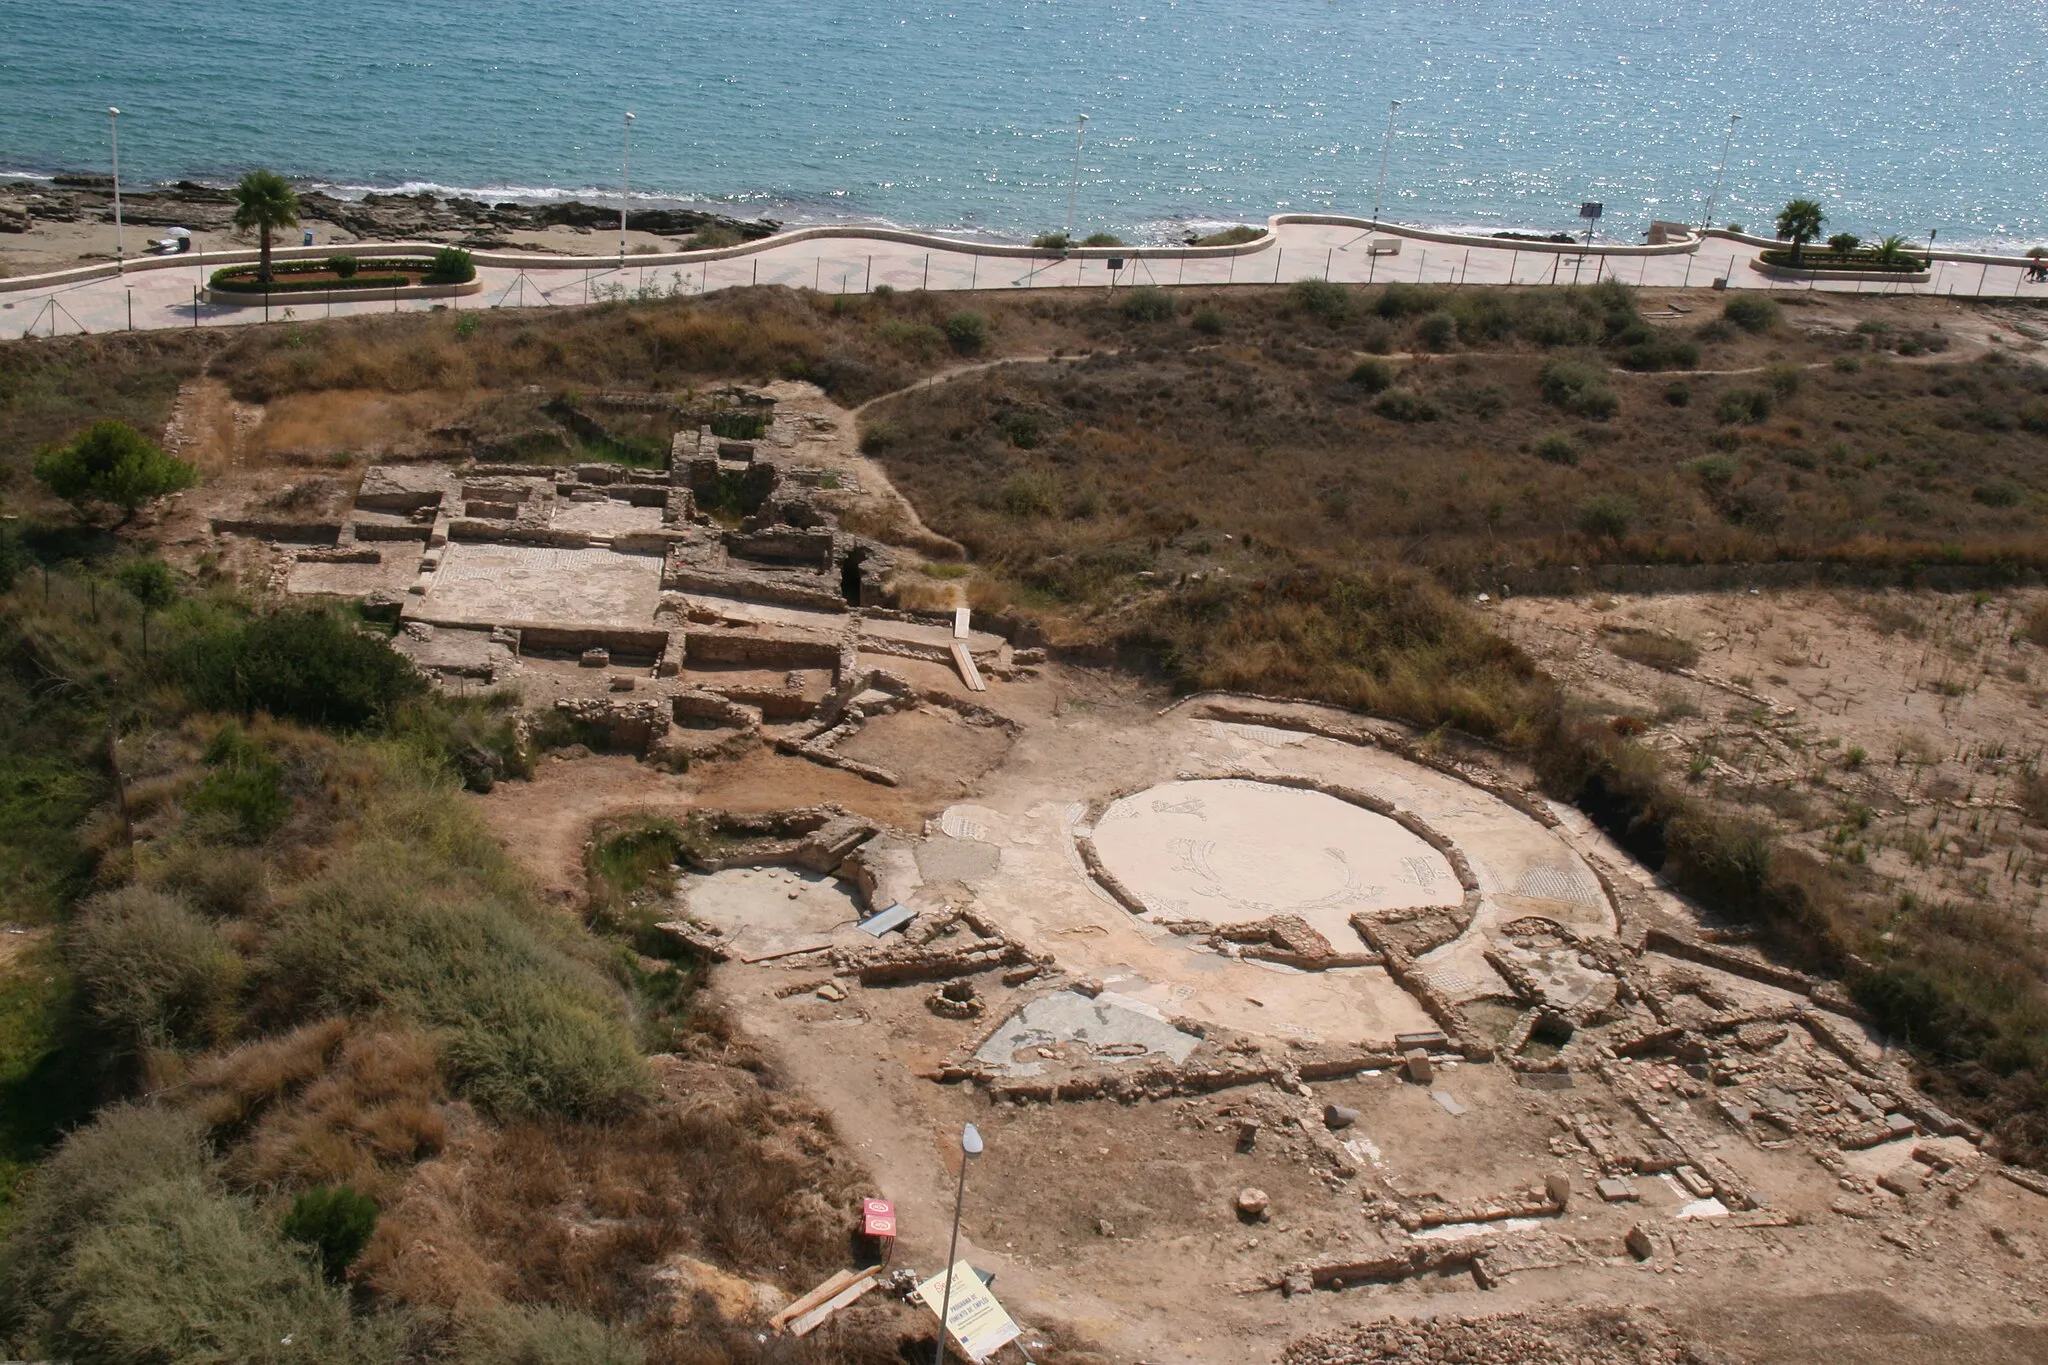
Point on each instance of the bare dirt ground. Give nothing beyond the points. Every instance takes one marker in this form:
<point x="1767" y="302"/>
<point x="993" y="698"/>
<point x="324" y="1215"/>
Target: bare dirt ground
<point x="1896" y="729"/>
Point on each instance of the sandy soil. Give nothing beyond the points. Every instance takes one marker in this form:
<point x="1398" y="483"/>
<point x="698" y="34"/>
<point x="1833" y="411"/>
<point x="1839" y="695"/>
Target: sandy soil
<point x="1897" y="727"/>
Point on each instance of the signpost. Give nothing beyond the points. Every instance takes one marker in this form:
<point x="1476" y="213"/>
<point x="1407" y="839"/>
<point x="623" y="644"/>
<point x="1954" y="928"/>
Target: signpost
<point x="1590" y="211"/>
<point x="976" y="1321"/>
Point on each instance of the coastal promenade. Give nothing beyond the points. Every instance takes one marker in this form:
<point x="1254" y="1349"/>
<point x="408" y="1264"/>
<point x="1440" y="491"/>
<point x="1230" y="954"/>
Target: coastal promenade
<point x="155" y="293"/>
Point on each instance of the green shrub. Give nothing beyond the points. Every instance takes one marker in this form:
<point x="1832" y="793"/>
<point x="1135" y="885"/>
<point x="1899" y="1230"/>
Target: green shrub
<point x="531" y="1334"/>
<point x="1148" y="303"/>
<point x="1999" y="493"/>
<point x="125" y="1149"/>
<point x="1663" y="351"/>
<point x="968" y="333"/>
<point x="245" y="790"/>
<point x="1557" y="447"/>
<point x="301" y="665"/>
<point x="1437" y="331"/>
<point x="1052" y="241"/>
<point x="451" y="265"/>
<point x="1744" y="405"/>
<point x="1678" y="395"/>
<point x="879" y="435"/>
<point x="1553" y="326"/>
<point x="1577" y="387"/>
<point x="1783" y="379"/>
<point x="151" y="971"/>
<point x="1208" y="320"/>
<point x="179" y="1271"/>
<point x="1030" y="495"/>
<point x="1102" y="239"/>
<point x="1606" y="516"/>
<point x="344" y="267"/>
<point x="336" y="1222"/>
<point x="112" y="462"/>
<point x="2034" y="417"/>
<point x="1320" y="299"/>
<point x="1377" y="337"/>
<point x="1399" y="301"/>
<point x="1374" y="376"/>
<point x="1715" y="471"/>
<point x="1751" y="313"/>
<point x="420" y="924"/>
<point x="921" y="339"/>
<point x="1231" y="236"/>
<point x="1404" y="405"/>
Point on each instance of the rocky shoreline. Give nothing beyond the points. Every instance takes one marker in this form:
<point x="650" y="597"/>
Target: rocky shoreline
<point x="203" y="208"/>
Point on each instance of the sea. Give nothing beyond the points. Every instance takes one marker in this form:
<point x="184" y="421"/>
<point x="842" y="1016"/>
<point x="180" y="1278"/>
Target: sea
<point x="1907" y="116"/>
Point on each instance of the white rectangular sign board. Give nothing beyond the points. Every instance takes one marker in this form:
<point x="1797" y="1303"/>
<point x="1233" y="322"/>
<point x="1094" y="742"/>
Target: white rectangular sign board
<point x="974" y="1318"/>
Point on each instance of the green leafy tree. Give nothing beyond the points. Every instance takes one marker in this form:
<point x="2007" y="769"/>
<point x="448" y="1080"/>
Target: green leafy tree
<point x="112" y="462"/>
<point x="452" y="265"/>
<point x="264" y="202"/>
<point x="1842" y="243"/>
<point x="152" y="584"/>
<point x="344" y="267"/>
<point x="1799" y="222"/>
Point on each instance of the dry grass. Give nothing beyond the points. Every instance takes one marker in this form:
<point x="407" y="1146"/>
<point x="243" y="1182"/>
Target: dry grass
<point x="1650" y="648"/>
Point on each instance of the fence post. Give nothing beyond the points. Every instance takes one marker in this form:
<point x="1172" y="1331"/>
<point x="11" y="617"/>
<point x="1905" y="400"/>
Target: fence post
<point x="867" y="285"/>
<point x="927" y="270"/>
<point x="1328" y="257"/>
<point x="1278" y="253"/>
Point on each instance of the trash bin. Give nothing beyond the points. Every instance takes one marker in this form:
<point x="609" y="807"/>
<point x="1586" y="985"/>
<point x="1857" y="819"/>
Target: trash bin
<point x="309" y="237"/>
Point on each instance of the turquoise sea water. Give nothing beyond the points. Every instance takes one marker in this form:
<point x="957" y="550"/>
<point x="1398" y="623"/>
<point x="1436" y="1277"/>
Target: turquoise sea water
<point x="1898" y="116"/>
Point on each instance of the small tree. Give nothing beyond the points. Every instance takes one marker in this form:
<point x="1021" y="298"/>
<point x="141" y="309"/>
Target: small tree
<point x="1895" y="251"/>
<point x="1842" y="243"/>
<point x="265" y="201"/>
<point x="152" y="584"/>
<point x="114" y="463"/>
<point x="344" y="267"/>
<point x="452" y="265"/>
<point x="1799" y="222"/>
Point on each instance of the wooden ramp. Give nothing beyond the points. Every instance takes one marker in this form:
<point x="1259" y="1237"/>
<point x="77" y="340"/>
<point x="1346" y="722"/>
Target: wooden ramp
<point x="963" y="660"/>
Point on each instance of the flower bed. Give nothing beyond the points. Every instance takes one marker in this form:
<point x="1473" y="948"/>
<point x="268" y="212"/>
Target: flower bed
<point x="1820" y="258"/>
<point x="449" y="266"/>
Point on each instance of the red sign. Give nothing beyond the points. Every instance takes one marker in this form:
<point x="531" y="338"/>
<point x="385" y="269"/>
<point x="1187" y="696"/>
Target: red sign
<point x="878" y="1218"/>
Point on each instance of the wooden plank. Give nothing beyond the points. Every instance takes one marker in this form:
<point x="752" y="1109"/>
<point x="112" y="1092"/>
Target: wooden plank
<point x="960" y="619"/>
<point x="785" y="952"/>
<point x="817" y="1317"/>
<point x="969" y="674"/>
<point x="804" y="1303"/>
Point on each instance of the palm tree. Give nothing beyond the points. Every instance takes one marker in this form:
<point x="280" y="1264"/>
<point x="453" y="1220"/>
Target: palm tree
<point x="1799" y="223"/>
<point x="263" y="201"/>
<point x="1842" y="243"/>
<point x="1893" y="252"/>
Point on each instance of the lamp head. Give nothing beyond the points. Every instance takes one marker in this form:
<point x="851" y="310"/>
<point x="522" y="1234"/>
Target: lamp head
<point x="1084" y="118"/>
<point x="629" y="116"/>
<point x="970" y="1140"/>
<point x="112" y="110"/>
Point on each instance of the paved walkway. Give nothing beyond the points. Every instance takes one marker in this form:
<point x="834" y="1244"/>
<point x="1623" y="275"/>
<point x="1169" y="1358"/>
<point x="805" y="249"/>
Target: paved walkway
<point x="166" y="296"/>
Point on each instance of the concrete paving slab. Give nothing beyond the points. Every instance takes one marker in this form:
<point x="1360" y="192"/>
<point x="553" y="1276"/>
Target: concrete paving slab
<point x="495" y="584"/>
<point x="774" y="909"/>
<point x="1109" y="1020"/>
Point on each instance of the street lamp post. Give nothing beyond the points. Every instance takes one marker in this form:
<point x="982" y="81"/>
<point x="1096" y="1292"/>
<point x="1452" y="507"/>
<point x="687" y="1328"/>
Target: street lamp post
<point x="1074" y="189"/>
<point x="1707" y="218"/>
<point x="1386" y="147"/>
<point x="625" y="187"/>
<point x="114" y="132"/>
<point x="970" y="1147"/>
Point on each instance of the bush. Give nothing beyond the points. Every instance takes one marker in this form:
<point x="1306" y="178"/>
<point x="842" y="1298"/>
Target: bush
<point x="344" y="267"/>
<point x="302" y="665"/>
<point x="416" y="923"/>
<point x="1437" y="331"/>
<point x="1557" y="447"/>
<point x="151" y="970"/>
<point x="180" y="1271"/>
<point x="1606" y="516"/>
<point x="1374" y="376"/>
<point x="1743" y="405"/>
<point x="1752" y="314"/>
<point x="1678" y="395"/>
<point x="1208" y="320"/>
<point x="1102" y="239"/>
<point x="1999" y="493"/>
<point x="539" y="1335"/>
<point x="1231" y="236"/>
<point x="452" y="265"/>
<point x="1651" y="649"/>
<point x="1052" y="241"/>
<point x="1662" y="351"/>
<point x="1552" y="326"/>
<point x="1784" y="379"/>
<point x="245" y="790"/>
<point x="1320" y="299"/>
<point x="125" y="1149"/>
<point x="1148" y="303"/>
<point x="1577" y="387"/>
<point x="1404" y="405"/>
<point x="1030" y="495"/>
<point x="336" y="1222"/>
<point x="879" y="435"/>
<point x="1715" y="471"/>
<point x="112" y="462"/>
<point x="968" y="333"/>
<point x="921" y="339"/>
